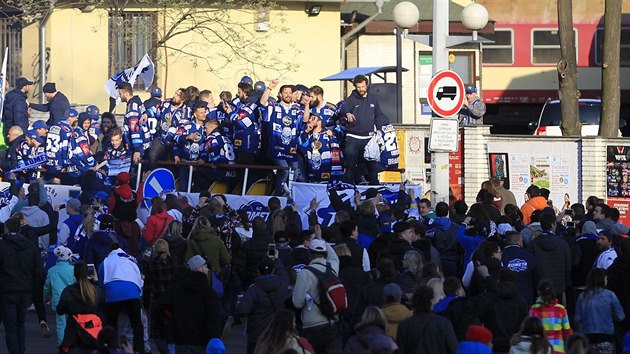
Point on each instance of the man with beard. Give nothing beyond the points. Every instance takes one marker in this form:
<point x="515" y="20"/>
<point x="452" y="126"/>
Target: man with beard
<point x="324" y="109"/>
<point x="16" y="110"/>
<point x="57" y="104"/>
<point x="15" y="140"/>
<point x="190" y="141"/>
<point x="170" y="116"/>
<point x="102" y="142"/>
<point x="58" y="146"/>
<point x="359" y="114"/>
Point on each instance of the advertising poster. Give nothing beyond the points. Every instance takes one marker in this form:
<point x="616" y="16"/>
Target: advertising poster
<point x="617" y="180"/>
<point x="500" y="168"/>
<point x="456" y="169"/>
<point x="414" y="156"/>
<point x="529" y="164"/>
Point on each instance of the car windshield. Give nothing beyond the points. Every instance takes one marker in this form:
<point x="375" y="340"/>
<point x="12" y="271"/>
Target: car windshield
<point x="589" y="113"/>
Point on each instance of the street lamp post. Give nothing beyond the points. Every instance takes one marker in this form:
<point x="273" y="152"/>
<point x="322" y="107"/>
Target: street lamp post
<point x="406" y="15"/>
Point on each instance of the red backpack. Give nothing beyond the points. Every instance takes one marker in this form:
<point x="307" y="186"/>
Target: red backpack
<point x="332" y="293"/>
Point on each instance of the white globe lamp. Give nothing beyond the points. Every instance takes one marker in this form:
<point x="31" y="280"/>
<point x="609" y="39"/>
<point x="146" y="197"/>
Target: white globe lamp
<point x="475" y="17"/>
<point x="406" y="14"/>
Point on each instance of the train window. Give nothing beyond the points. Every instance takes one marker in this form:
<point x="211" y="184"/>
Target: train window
<point x="502" y="50"/>
<point x="546" y="46"/>
<point x="624" y="47"/>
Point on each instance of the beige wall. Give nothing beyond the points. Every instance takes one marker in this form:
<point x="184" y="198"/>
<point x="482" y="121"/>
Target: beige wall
<point x="79" y="54"/>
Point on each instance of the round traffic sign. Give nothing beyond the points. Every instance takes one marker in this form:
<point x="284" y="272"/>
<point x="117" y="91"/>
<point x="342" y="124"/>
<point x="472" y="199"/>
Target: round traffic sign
<point x="446" y="93"/>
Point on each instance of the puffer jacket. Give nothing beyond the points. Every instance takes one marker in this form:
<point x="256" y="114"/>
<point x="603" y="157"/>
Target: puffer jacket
<point x="394" y="313"/>
<point x="206" y="243"/>
<point x="156" y="225"/>
<point x="365" y="335"/>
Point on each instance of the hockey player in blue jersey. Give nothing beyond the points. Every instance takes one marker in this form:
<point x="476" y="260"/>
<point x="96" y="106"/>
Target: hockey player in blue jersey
<point x="217" y="150"/>
<point x="32" y="146"/>
<point x="58" y="147"/>
<point x="283" y="121"/>
<point x="117" y="156"/>
<point x="80" y="158"/>
<point x="170" y="115"/>
<point x="321" y="147"/>
<point x="190" y="139"/>
<point x="95" y="126"/>
<point x="132" y="127"/>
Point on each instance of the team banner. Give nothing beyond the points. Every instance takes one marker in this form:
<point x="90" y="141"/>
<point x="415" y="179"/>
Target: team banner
<point x="303" y="193"/>
<point x="253" y="205"/>
<point x="145" y="69"/>
<point x="31" y="163"/>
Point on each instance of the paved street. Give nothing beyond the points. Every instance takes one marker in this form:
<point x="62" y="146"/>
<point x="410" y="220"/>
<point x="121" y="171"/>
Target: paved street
<point x="37" y="344"/>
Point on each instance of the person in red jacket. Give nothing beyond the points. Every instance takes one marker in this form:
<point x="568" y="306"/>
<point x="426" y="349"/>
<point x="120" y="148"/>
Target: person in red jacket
<point x="157" y="222"/>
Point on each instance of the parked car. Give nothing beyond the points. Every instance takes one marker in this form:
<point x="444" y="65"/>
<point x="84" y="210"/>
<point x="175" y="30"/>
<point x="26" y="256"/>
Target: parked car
<point x="590" y="114"/>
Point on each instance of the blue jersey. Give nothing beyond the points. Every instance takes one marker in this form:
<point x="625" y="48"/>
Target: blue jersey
<point x="389" y="153"/>
<point x="328" y="114"/>
<point x="189" y="149"/>
<point x="58" y="146"/>
<point x="246" y="129"/>
<point x="94" y="131"/>
<point x="118" y="160"/>
<point x="170" y="117"/>
<point x="81" y="159"/>
<point x="325" y="160"/>
<point x="284" y="126"/>
<point x="133" y="130"/>
<point x="219" y="150"/>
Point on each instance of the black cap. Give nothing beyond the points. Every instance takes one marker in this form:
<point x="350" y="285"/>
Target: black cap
<point x="265" y="266"/>
<point x="401" y="226"/>
<point x="371" y="193"/>
<point x="49" y="87"/>
<point x="21" y="82"/>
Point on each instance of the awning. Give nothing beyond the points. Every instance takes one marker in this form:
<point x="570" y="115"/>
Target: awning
<point x="349" y="74"/>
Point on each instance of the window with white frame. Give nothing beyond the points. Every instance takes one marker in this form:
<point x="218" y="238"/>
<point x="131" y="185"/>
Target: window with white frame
<point x="624" y="47"/>
<point x="546" y="46"/>
<point x="502" y="50"/>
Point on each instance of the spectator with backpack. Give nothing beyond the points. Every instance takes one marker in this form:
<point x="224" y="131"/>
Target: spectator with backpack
<point x="81" y="301"/>
<point x="264" y="298"/>
<point x="315" y="286"/>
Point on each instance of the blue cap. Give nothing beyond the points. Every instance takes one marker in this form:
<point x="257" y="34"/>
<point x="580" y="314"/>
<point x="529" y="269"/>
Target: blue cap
<point x="102" y="196"/>
<point x="260" y="86"/>
<point x="300" y="87"/>
<point x="248" y="80"/>
<point x="40" y="124"/>
<point x="93" y="111"/>
<point x="156" y="92"/>
<point x="471" y="89"/>
<point x="71" y="113"/>
<point x="33" y="134"/>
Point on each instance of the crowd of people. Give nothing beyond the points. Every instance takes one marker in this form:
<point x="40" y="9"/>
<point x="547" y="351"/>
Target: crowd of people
<point x="381" y="278"/>
<point x="297" y="130"/>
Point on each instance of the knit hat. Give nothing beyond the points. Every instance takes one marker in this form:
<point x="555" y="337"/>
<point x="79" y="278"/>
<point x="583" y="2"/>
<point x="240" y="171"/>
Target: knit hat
<point x="63" y="253"/>
<point x="480" y="334"/>
<point x="589" y="228"/>
<point x="196" y="262"/>
<point x="49" y="87"/>
<point x="215" y="346"/>
<point x="123" y="178"/>
<point x="317" y="245"/>
<point x="83" y="117"/>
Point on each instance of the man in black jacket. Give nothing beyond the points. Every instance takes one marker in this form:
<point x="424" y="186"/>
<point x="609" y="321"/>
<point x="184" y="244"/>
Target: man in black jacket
<point x="16" y="106"/>
<point x="252" y="251"/>
<point x="359" y="114"/>
<point x="14" y="140"/>
<point x="57" y="104"/>
<point x="20" y="270"/>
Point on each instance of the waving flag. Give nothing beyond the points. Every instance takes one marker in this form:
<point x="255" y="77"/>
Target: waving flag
<point x="3" y="80"/>
<point x="145" y="69"/>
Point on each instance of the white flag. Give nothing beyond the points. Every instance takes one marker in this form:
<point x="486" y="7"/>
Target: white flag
<point x="3" y="79"/>
<point x="145" y="69"/>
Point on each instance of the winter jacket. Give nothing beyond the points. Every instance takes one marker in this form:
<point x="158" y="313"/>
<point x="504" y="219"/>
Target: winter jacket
<point x="379" y="245"/>
<point x="462" y="312"/>
<point x="307" y="282"/>
<point x="206" y="243"/>
<point x="155" y="226"/>
<point x="353" y="279"/>
<point x="618" y="275"/>
<point x="444" y="238"/>
<point x="394" y="314"/>
<point x="57" y="108"/>
<point x="20" y="265"/>
<point x="467" y="347"/>
<point x="536" y="203"/>
<point x="298" y="255"/>
<point x="367" y="113"/>
<point x="370" y="295"/>
<point x="429" y="253"/>
<point x="595" y="312"/>
<point x="587" y="244"/>
<point x="177" y="248"/>
<point x="193" y="308"/>
<point x="250" y="254"/>
<point x="502" y="312"/>
<point x="10" y="161"/>
<point x="263" y="299"/>
<point x="397" y="249"/>
<point x="37" y="217"/>
<point x="15" y="110"/>
<point x="71" y="303"/>
<point x="468" y="243"/>
<point x="437" y="335"/>
<point x="507" y="196"/>
<point x="365" y="335"/>
<point x="523" y="265"/>
<point x="553" y="258"/>
<point x="158" y="277"/>
<point x="97" y="246"/>
<point x="123" y="203"/>
<point x="59" y="276"/>
<point x="356" y="251"/>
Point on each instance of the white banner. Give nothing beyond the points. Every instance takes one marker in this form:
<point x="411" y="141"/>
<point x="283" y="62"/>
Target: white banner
<point x="145" y="69"/>
<point x="303" y="193"/>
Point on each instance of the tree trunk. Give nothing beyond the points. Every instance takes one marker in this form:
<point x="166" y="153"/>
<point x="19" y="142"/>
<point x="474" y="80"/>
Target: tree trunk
<point x="567" y="71"/>
<point x="609" y="124"/>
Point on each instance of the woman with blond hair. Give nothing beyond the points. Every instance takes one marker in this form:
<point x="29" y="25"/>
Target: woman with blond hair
<point x="176" y="242"/>
<point x="370" y="329"/>
<point x="159" y="273"/>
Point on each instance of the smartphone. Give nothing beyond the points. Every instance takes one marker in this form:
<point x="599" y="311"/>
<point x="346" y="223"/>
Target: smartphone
<point x="271" y="250"/>
<point x="570" y="224"/>
<point x="91" y="268"/>
<point x="62" y="206"/>
<point x="568" y="212"/>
